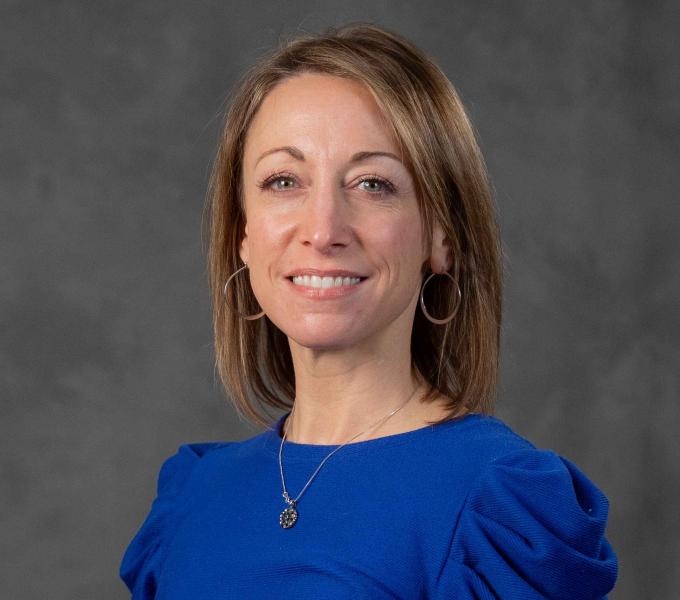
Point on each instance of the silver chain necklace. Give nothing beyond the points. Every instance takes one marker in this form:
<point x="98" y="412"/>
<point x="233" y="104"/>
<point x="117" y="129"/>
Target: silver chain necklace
<point x="289" y="516"/>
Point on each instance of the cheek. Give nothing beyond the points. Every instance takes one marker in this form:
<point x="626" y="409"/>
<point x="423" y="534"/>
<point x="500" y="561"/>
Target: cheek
<point x="264" y="235"/>
<point x="398" y="241"/>
<point x="267" y="235"/>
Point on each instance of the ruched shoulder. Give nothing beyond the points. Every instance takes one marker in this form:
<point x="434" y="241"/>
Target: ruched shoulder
<point x="142" y="561"/>
<point x="532" y="526"/>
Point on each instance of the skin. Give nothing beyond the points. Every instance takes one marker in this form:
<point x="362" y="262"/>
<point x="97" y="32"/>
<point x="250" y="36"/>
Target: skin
<point x="351" y="355"/>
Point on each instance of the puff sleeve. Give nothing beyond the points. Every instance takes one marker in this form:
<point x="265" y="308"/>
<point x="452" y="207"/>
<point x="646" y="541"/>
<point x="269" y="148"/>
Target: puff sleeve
<point x="532" y="526"/>
<point x="142" y="561"/>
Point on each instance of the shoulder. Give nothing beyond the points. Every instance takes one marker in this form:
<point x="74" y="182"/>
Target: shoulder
<point x="143" y="558"/>
<point x="481" y="439"/>
<point x="178" y="466"/>
<point x="532" y="524"/>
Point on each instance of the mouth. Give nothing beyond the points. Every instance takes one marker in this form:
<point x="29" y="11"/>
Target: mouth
<point x="317" y="282"/>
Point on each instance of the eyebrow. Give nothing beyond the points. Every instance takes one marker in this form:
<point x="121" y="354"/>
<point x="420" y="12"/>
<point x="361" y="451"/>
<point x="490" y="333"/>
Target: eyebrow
<point x="355" y="158"/>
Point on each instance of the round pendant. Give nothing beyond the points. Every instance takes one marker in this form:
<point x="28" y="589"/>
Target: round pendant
<point x="288" y="517"/>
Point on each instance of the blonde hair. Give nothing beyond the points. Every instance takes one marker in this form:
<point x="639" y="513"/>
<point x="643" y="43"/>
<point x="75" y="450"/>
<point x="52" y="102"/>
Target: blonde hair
<point x="458" y="360"/>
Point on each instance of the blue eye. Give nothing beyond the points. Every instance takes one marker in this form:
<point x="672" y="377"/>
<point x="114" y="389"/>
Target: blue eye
<point x="387" y="186"/>
<point x="268" y="184"/>
<point x="268" y="181"/>
<point x="279" y="179"/>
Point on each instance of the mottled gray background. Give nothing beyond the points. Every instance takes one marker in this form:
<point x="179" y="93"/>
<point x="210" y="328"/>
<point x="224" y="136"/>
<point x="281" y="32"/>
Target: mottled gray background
<point x="109" y="115"/>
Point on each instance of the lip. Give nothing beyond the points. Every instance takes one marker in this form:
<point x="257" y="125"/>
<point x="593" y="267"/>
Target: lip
<point x="325" y="273"/>
<point x="330" y="293"/>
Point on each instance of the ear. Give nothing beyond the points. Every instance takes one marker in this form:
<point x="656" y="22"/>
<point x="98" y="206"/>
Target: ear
<point x="243" y="248"/>
<point x="441" y="258"/>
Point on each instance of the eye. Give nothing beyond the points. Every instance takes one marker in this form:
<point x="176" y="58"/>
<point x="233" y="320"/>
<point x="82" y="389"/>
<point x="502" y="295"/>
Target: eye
<point x="267" y="182"/>
<point x="384" y="186"/>
<point x="379" y="186"/>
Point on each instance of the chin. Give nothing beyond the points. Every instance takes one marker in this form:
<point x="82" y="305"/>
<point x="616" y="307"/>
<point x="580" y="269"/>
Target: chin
<point x="318" y="338"/>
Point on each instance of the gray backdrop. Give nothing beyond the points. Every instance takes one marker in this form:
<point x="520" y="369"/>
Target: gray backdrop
<point x="110" y="113"/>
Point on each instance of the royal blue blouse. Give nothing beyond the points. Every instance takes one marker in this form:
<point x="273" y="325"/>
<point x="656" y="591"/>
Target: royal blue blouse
<point x="464" y="509"/>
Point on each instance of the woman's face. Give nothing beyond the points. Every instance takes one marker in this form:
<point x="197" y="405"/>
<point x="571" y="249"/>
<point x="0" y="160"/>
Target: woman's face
<point x="318" y="200"/>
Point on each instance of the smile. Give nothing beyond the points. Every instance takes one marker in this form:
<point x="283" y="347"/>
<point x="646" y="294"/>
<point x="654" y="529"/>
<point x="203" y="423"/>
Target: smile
<point x="323" y="288"/>
<point x="324" y="282"/>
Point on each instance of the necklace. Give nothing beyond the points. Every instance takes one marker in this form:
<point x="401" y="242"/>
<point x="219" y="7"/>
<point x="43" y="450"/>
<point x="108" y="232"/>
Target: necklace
<point x="289" y="515"/>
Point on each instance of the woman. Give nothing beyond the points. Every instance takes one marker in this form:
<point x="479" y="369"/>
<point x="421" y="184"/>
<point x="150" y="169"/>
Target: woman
<point x="356" y="277"/>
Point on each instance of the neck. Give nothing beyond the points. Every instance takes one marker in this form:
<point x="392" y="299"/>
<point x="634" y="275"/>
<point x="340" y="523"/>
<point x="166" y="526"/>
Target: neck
<point x="361" y="430"/>
<point x="334" y="408"/>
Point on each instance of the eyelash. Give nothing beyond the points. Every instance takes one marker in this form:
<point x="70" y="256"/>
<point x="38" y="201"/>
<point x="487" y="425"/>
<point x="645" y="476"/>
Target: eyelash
<point x="389" y="186"/>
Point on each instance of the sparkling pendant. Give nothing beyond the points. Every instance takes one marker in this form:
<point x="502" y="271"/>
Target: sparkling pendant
<point x="289" y="516"/>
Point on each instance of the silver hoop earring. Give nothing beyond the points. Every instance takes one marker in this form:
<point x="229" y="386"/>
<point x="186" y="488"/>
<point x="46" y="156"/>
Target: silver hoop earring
<point x="422" y="301"/>
<point x="224" y="291"/>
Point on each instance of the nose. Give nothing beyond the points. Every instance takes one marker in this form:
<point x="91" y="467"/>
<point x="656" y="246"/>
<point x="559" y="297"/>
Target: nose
<point x="324" y="219"/>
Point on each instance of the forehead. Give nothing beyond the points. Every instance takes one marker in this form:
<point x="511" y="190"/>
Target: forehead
<point x="319" y="110"/>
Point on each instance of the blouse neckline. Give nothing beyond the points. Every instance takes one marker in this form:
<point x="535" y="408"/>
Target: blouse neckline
<point x="296" y="451"/>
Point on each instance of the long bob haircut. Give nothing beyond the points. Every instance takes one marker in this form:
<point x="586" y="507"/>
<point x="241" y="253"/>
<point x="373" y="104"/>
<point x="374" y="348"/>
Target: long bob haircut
<point x="458" y="359"/>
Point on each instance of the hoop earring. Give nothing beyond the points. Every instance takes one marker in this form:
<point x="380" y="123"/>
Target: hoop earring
<point x="224" y="291"/>
<point x="422" y="301"/>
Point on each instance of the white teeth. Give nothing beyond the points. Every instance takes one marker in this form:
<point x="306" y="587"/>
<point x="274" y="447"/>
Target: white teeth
<point x="324" y="282"/>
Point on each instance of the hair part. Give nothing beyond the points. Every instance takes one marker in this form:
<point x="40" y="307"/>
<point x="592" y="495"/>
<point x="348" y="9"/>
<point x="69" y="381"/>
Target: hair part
<point x="458" y="360"/>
